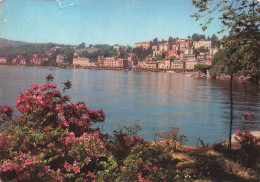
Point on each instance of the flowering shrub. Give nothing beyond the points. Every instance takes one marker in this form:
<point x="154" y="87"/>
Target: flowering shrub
<point x="172" y="140"/>
<point x="247" y="115"/>
<point x="52" y="139"/>
<point x="248" y="143"/>
<point x="123" y="140"/>
<point x="144" y="163"/>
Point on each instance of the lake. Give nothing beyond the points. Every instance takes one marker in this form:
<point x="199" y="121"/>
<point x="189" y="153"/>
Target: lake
<point x="155" y="101"/>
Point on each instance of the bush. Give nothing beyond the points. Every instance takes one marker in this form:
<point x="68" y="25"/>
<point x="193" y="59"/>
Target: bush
<point x="171" y="139"/>
<point x="52" y="139"/>
<point x="248" y="143"/>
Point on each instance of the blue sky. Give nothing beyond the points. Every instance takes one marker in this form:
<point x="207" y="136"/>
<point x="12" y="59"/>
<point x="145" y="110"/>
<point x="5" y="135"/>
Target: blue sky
<point x="98" y="21"/>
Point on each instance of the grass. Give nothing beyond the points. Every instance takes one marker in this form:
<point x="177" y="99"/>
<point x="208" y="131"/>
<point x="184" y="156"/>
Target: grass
<point x="215" y="163"/>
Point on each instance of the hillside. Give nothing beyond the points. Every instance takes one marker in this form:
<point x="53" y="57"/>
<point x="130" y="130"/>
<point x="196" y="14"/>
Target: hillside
<point x="11" y="43"/>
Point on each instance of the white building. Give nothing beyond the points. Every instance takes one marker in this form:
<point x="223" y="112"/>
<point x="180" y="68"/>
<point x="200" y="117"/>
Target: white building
<point x="81" y="61"/>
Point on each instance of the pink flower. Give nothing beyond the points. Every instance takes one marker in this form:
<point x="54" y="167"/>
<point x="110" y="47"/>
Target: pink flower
<point x="77" y="170"/>
<point x="88" y="159"/>
<point x="22" y="155"/>
<point x="237" y="132"/>
<point x="7" y="166"/>
<point x="91" y="175"/>
<point x="69" y="83"/>
<point x="141" y="179"/>
<point x="246" y="114"/>
<point x="49" y="77"/>
<point x="252" y="113"/>
<point x="68" y="168"/>
<point x="35" y="86"/>
<point x="155" y="168"/>
<point x="27" y="162"/>
<point x="75" y="163"/>
<point x="35" y="159"/>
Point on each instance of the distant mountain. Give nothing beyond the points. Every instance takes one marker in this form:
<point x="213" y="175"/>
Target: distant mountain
<point x="12" y="43"/>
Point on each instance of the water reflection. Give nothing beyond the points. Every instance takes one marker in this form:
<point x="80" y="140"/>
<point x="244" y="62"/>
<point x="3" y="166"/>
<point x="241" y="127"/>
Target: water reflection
<point x="154" y="100"/>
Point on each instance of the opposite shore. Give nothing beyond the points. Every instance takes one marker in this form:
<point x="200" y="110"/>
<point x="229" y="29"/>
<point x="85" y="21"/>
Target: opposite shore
<point x="192" y="73"/>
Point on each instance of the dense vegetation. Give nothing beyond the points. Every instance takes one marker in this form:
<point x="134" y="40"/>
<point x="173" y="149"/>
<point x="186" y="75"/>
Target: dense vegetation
<point x="29" y="49"/>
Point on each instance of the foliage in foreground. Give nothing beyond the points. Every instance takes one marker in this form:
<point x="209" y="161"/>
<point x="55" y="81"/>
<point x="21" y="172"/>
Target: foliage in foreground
<point x="54" y="140"/>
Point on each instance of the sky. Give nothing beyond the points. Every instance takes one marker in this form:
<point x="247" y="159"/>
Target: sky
<point x="110" y="22"/>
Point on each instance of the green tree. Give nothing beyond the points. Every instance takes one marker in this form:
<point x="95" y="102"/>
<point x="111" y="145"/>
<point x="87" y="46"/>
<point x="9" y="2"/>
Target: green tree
<point x="214" y="40"/>
<point x="155" y="41"/>
<point x="197" y="37"/>
<point x="202" y="68"/>
<point x="82" y="45"/>
<point x="142" y="53"/>
<point x="170" y="40"/>
<point x="241" y="48"/>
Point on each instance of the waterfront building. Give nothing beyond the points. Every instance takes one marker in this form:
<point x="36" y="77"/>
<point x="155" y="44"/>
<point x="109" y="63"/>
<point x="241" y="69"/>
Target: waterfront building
<point x="14" y="60"/>
<point x="22" y="61"/>
<point x="37" y="61"/>
<point x="110" y="62"/>
<point x="151" y="64"/>
<point x="81" y="61"/>
<point x="165" y="64"/>
<point x="2" y="60"/>
<point x="177" y="64"/>
<point x="122" y="63"/>
<point x="61" y="58"/>
<point x="133" y="61"/>
<point x="190" y="63"/>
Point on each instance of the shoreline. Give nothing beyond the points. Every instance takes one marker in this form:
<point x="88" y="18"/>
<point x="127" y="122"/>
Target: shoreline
<point x="191" y="73"/>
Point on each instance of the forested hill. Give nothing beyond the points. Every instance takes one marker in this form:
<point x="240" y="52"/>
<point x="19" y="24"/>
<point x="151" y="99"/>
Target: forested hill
<point x="11" y="48"/>
<point x="11" y="43"/>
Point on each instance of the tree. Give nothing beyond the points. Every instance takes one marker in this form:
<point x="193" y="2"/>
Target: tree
<point x="202" y="68"/>
<point x="69" y="53"/>
<point x="142" y="53"/>
<point x="197" y="37"/>
<point x="170" y="40"/>
<point x="82" y="45"/>
<point x="214" y="40"/>
<point x="155" y="41"/>
<point x="241" y="48"/>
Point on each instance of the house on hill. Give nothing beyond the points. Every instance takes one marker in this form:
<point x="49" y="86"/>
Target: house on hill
<point x="61" y="58"/>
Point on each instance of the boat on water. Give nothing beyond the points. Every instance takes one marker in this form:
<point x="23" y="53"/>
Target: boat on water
<point x="170" y="71"/>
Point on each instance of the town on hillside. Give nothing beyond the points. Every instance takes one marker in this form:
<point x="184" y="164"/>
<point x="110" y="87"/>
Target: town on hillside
<point x="173" y="54"/>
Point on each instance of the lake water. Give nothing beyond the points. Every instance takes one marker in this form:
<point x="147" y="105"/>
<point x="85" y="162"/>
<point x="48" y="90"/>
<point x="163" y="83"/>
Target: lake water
<point x="155" y="101"/>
